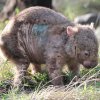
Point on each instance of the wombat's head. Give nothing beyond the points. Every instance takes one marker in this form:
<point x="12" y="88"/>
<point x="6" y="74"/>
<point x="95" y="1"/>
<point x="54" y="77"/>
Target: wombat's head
<point x="84" y="44"/>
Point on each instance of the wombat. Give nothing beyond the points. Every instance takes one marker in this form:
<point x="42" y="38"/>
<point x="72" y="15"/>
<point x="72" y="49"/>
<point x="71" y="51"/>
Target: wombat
<point x="39" y="35"/>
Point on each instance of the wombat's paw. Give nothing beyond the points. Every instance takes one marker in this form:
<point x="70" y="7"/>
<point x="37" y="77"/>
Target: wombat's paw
<point x="57" y="82"/>
<point x="23" y="84"/>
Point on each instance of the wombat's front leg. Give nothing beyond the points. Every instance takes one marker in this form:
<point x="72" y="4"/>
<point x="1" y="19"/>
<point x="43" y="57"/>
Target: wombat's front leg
<point x="54" y="69"/>
<point x="74" y="68"/>
<point x="21" y="69"/>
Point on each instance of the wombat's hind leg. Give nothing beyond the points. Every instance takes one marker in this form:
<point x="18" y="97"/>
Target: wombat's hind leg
<point x="11" y="49"/>
<point x="20" y="73"/>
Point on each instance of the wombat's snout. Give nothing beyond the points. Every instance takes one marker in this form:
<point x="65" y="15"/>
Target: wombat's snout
<point x="90" y="64"/>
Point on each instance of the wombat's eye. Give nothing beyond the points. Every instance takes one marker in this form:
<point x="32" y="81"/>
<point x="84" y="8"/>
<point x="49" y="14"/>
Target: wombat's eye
<point x="86" y="53"/>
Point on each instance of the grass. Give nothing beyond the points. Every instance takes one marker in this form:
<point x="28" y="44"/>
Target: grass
<point x="88" y="88"/>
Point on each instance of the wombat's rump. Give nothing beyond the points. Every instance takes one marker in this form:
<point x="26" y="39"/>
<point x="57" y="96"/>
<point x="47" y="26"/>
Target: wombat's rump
<point x="42" y="36"/>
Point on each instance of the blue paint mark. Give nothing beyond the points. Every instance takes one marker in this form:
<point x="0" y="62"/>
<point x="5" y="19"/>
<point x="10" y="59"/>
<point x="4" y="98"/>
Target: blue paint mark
<point x="40" y="33"/>
<point x="39" y="29"/>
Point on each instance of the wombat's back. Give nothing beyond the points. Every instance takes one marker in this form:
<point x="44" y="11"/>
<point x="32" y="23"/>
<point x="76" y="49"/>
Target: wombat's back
<point x="18" y="36"/>
<point x="41" y="15"/>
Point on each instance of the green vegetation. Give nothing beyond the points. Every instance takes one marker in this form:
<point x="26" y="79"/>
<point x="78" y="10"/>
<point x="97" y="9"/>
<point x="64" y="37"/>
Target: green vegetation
<point x="74" y="8"/>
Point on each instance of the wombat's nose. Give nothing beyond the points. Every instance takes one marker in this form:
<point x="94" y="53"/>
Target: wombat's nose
<point x="90" y="64"/>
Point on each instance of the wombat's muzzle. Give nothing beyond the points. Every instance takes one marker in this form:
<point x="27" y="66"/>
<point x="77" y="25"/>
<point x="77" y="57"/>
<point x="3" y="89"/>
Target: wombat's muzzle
<point x="90" y="64"/>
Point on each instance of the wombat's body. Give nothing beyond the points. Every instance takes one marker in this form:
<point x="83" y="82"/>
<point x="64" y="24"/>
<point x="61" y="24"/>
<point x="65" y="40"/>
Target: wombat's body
<point x="41" y="36"/>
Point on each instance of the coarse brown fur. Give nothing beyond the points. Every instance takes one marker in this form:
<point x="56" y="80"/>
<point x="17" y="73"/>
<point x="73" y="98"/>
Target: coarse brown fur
<point x="39" y="35"/>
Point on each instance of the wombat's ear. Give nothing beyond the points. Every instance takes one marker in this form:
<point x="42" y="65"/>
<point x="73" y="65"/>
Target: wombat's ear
<point x="71" y="30"/>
